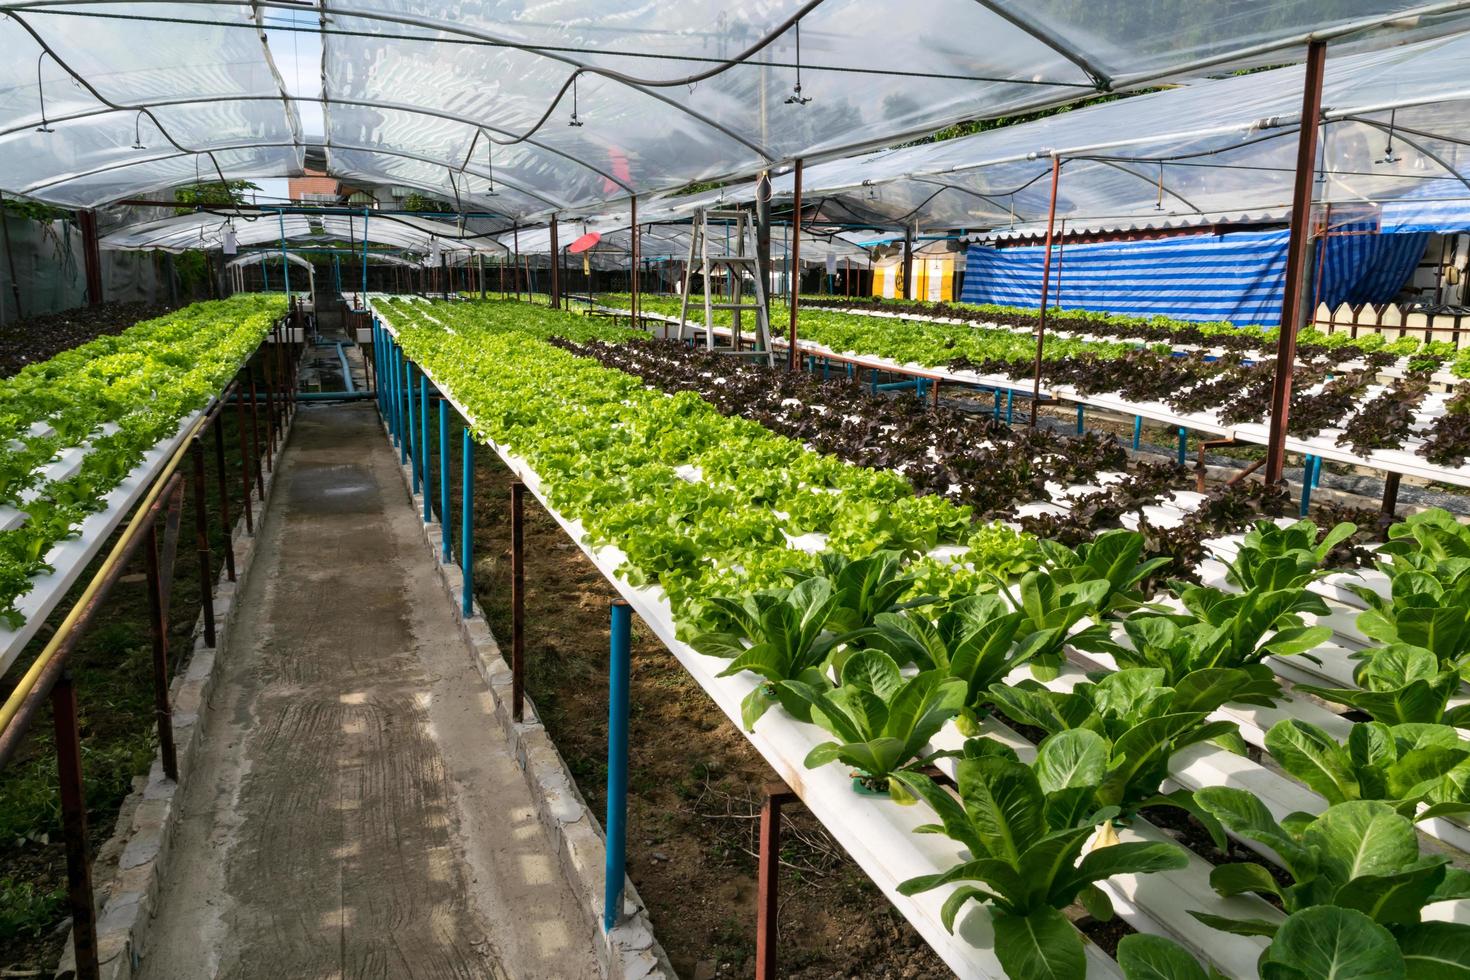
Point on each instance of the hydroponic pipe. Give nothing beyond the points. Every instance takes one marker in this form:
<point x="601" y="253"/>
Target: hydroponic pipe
<point x="346" y="370"/>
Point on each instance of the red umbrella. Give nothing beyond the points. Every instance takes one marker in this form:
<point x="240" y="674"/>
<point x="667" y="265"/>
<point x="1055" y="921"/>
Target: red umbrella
<point x="584" y="243"/>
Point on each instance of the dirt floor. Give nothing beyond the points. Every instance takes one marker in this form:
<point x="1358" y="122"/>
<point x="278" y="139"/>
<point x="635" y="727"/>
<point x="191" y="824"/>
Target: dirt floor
<point x="354" y="811"/>
<point x="696" y="784"/>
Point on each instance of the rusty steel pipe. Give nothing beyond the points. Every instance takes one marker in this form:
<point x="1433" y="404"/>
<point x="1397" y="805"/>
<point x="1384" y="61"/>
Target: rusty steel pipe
<point x="80" y="896"/>
<point x="768" y="880"/>
<point x="1296" y="261"/>
<point x="201" y="543"/>
<point x="222" y="477"/>
<point x="245" y="462"/>
<point x="517" y="600"/>
<point x="1051" y="220"/>
<point x="158" y="629"/>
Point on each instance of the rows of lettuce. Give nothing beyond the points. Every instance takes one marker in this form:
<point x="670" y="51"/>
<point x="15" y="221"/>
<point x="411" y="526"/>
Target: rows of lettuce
<point x="143" y="382"/>
<point x="884" y="649"/>
<point x="1068" y="327"/>
<point x="1335" y="384"/>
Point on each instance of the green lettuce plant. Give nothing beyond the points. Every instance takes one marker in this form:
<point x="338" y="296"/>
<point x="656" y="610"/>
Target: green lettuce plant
<point x="1133" y="722"/>
<point x="1402" y="765"/>
<point x="1360" y="854"/>
<point x="1026" y="859"/>
<point x="883" y="721"/>
<point x="1400" y="685"/>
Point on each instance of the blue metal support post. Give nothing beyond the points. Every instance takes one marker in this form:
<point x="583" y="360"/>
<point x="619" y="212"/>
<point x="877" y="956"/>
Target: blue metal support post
<point x="1137" y="431"/>
<point x="1011" y="406"/>
<point x="424" y="446"/>
<point x="466" y="522"/>
<point x="444" y="476"/>
<point x="410" y="450"/>
<point x="395" y="378"/>
<point x="1183" y="445"/>
<point x="1081" y="423"/>
<point x="618" y="670"/>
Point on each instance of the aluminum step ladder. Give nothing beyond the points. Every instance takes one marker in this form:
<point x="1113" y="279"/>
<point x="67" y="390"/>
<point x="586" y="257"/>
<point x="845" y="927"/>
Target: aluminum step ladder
<point x="735" y="265"/>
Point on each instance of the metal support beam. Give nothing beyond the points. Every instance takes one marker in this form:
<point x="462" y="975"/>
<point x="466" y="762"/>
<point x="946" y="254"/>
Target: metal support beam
<point x="444" y="477"/>
<point x="794" y="257"/>
<point x="1296" y="259"/>
<point x="466" y="526"/>
<point x="763" y="236"/>
<point x="768" y="880"/>
<point x="427" y="476"/>
<point x="517" y="601"/>
<point x="92" y="255"/>
<point x="635" y="247"/>
<point x="908" y="262"/>
<point x="1387" y="510"/>
<point x="1051" y="221"/>
<point x="618" y="670"/>
<point x="74" y="827"/>
<point x="201" y="541"/>
<point x="555" y="266"/>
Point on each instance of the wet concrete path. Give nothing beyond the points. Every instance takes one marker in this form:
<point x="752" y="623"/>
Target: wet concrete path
<point x="353" y="812"/>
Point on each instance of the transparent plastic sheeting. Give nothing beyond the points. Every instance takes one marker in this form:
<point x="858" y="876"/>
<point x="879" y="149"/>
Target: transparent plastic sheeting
<point x="255" y="228"/>
<point x="1204" y="152"/>
<point x="71" y="91"/>
<point x="415" y="92"/>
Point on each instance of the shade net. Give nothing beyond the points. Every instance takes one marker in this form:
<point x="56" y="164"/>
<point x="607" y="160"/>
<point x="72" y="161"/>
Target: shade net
<point x="665" y="94"/>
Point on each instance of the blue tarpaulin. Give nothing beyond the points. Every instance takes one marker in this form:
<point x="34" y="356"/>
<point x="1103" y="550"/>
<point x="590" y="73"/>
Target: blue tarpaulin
<point x="1237" y="277"/>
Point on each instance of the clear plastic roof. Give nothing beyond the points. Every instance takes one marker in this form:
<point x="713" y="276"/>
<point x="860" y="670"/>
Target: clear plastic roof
<point x="1206" y="152"/>
<point x="207" y="230"/>
<point x="569" y="103"/>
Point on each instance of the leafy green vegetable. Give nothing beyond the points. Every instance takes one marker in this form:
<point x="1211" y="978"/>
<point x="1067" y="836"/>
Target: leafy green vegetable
<point x="1026" y="858"/>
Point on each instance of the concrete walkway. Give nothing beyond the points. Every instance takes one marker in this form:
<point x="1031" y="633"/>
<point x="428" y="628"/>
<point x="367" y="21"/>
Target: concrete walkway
<point x="353" y="812"/>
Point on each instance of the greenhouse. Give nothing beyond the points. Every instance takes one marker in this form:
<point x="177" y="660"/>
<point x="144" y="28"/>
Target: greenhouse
<point x="810" y="489"/>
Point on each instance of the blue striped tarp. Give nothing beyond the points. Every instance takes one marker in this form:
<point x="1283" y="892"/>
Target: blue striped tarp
<point x="1237" y="277"/>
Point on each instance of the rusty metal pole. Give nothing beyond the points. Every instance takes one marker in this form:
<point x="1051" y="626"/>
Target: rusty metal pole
<point x="515" y="231"/>
<point x="555" y="267"/>
<point x="91" y="255"/>
<point x="245" y="465"/>
<point x="768" y="879"/>
<point x="1051" y="218"/>
<point x="158" y="627"/>
<point x="517" y="600"/>
<point x="255" y="431"/>
<point x="908" y="263"/>
<point x="633" y="257"/>
<point x="74" y="827"/>
<point x="269" y="385"/>
<point x="1296" y="259"/>
<point x="1388" y="508"/>
<point x="201" y="542"/>
<point x="792" y="359"/>
<point x="222" y="476"/>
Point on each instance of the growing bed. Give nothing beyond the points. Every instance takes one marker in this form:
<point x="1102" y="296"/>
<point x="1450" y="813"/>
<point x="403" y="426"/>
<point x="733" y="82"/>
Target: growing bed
<point x="475" y="353"/>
